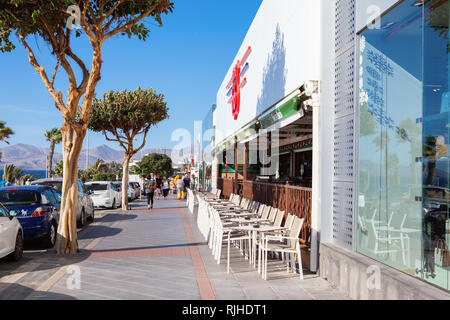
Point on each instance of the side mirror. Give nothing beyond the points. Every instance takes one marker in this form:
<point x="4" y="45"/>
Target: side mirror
<point x="12" y="214"/>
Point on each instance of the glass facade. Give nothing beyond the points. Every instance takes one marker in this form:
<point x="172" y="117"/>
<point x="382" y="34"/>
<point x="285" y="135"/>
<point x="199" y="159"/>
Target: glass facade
<point x="403" y="161"/>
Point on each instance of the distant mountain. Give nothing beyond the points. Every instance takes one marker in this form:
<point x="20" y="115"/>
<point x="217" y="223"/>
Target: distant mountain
<point x="33" y="158"/>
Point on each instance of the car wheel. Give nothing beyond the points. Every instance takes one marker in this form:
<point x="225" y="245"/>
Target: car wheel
<point x="50" y="237"/>
<point x="18" y="250"/>
<point x="82" y="221"/>
<point x="91" y="218"/>
<point x="114" y="204"/>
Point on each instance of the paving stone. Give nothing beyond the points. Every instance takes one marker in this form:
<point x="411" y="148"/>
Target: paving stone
<point x="149" y="255"/>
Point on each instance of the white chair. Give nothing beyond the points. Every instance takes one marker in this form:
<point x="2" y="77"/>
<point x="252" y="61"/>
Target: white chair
<point x="288" y="244"/>
<point x="222" y="230"/>
<point x="273" y="214"/>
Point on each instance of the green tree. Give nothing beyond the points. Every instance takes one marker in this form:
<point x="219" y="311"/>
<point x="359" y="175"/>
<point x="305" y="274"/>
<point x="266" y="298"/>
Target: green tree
<point x="122" y="116"/>
<point x="85" y="175"/>
<point x="103" y="176"/>
<point x="11" y="173"/>
<point x="5" y="132"/>
<point x="53" y="22"/>
<point x="54" y="137"/>
<point x="114" y="168"/>
<point x="154" y="163"/>
<point x="59" y="168"/>
<point x="26" y="177"/>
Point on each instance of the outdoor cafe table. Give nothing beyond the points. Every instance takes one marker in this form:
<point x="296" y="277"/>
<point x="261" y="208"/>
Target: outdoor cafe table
<point x="232" y="214"/>
<point x="247" y="221"/>
<point x="252" y="231"/>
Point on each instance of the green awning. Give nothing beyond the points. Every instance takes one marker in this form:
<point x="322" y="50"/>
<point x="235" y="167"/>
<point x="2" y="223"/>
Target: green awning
<point x="280" y="113"/>
<point x="284" y="111"/>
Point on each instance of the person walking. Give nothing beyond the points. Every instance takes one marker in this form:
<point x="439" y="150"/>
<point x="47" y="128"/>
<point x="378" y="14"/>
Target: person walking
<point x="165" y="187"/>
<point x="158" y="186"/>
<point x="186" y="184"/>
<point x="179" y="187"/>
<point x="149" y="191"/>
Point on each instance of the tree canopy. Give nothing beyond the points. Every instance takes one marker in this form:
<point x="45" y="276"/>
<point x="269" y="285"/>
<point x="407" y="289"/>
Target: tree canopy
<point x="154" y="163"/>
<point x="124" y="115"/>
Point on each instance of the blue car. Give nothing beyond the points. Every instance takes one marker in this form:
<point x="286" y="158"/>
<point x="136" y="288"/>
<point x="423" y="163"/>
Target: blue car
<point x="36" y="208"/>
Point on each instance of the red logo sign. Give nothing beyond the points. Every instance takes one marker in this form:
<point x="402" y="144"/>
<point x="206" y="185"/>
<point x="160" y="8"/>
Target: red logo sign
<point x="236" y="84"/>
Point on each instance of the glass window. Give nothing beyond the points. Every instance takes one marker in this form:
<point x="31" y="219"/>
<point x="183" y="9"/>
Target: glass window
<point x="49" y="196"/>
<point x="57" y="185"/>
<point x="436" y="100"/>
<point x="404" y="141"/>
<point x="57" y="196"/>
<point x="3" y="212"/>
<point x="19" y="197"/>
<point x="97" y="186"/>
<point x="390" y="139"/>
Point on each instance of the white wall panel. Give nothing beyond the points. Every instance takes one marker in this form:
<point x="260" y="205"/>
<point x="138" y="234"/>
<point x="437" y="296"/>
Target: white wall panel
<point x="285" y="41"/>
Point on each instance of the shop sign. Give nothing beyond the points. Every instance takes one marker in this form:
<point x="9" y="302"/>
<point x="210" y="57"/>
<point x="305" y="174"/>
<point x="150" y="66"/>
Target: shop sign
<point x="297" y="145"/>
<point x="236" y="84"/>
<point x="286" y="110"/>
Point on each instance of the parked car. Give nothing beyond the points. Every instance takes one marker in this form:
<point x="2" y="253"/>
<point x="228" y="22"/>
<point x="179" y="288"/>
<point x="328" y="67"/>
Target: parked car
<point x="135" y="189"/>
<point x="118" y="185"/>
<point x="11" y="235"/>
<point x="138" y="188"/>
<point x="104" y="194"/>
<point x="36" y="208"/>
<point x="85" y="203"/>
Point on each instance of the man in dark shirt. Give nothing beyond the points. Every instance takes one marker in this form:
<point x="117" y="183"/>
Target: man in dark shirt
<point x="186" y="183"/>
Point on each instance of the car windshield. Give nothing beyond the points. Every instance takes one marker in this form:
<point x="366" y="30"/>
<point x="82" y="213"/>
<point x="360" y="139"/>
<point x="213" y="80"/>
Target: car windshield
<point x="97" y="187"/>
<point x="55" y="184"/>
<point x="19" y="197"/>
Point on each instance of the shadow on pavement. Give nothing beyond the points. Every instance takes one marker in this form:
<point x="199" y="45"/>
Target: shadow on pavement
<point x="18" y="292"/>
<point x="95" y="232"/>
<point x="181" y="245"/>
<point x="47" y="259"/>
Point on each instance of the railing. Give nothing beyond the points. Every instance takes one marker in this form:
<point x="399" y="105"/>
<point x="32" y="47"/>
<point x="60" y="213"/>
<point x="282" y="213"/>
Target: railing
<point x="291" y="199"/>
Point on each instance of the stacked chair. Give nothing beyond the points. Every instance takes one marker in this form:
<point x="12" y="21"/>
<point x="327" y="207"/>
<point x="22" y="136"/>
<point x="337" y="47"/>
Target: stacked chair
<point x="224" y="231"/>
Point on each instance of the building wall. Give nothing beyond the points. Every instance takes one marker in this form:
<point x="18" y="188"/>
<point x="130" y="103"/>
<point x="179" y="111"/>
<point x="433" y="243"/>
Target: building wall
<point x="341" y="20"/>
<point x="285" y="42"/>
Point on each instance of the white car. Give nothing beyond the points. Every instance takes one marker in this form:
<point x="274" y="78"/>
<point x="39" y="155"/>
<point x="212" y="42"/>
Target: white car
<point x="104" y="194"/>
<point x="11" y="236"/>
<point x="131" y="193"/>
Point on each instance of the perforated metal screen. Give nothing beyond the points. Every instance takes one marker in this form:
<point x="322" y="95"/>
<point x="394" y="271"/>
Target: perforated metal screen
<point x="344" y="127"/>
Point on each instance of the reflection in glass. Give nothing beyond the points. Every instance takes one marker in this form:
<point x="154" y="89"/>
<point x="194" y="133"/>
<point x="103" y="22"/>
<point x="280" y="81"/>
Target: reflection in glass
<point x="436" y="144"/>
<point x="404" y="160"/>
<point x="390" y="141"/>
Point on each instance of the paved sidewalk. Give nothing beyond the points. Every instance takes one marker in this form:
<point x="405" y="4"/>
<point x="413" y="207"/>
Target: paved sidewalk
<point x="149" y="254"/>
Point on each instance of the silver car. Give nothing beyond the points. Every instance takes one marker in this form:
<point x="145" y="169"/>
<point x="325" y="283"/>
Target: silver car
<point x="85" y="203"/>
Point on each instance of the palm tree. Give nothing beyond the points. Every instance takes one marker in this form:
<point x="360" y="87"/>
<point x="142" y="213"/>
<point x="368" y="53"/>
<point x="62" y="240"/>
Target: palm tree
<point x="11" y="173"/>
<point x="59" y="169"/>
<point x="5" y="132"/>
<point x="54" y="136"/>
<point x="27" y="177"/>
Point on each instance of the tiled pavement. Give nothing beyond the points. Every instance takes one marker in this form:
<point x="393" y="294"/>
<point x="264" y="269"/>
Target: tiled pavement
<point x="157" y="254"/>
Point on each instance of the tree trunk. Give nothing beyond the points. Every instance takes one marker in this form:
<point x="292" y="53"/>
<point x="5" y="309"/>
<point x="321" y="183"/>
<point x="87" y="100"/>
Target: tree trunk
<point x="66" y="242"/>
<point x="50" y="158"/>
<point x="126" y="164"/>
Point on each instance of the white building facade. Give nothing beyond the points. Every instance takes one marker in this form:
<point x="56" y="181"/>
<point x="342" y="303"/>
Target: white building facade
<point x="354" y="97"/>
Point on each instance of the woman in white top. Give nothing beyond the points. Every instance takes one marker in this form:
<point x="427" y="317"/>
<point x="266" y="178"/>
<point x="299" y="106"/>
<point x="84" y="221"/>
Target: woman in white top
<point x="165" y="187"/>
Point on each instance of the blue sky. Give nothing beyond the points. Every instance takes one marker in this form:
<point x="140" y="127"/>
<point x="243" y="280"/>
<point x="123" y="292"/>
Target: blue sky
<point x="186" y="60"/>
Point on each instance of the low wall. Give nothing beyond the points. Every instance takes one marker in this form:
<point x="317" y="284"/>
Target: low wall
<point x="353" y="274"/>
